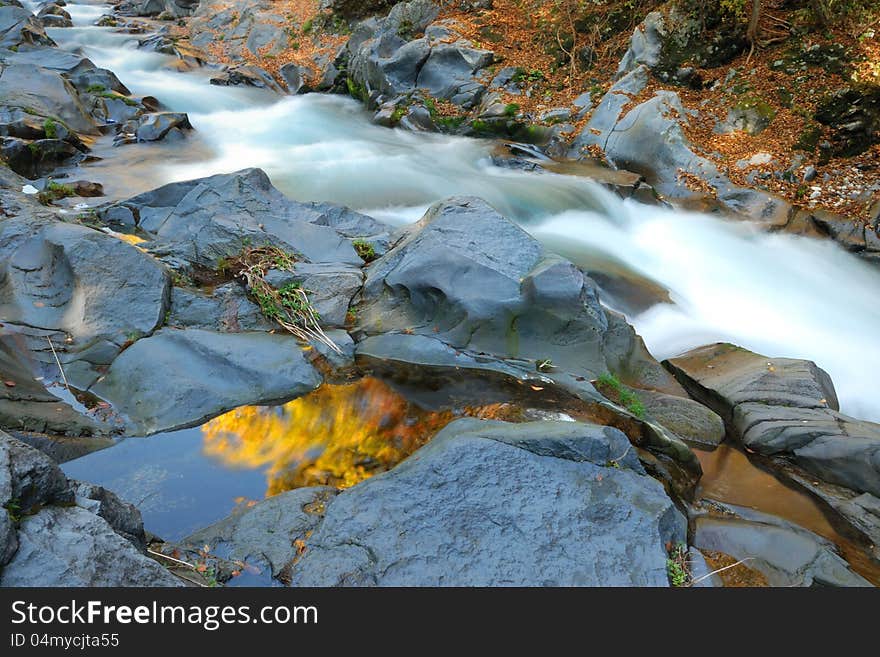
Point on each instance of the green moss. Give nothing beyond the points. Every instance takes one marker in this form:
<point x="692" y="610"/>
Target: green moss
<point x="50" y="128"/>
<point x="398" y="114"/>
<point x="627" y="398"/>
<point x="356" y="91"/>
<point x="808" y="139"/>
<point x="96" y="89"/>
<point x="764" y="109"/>
<point x="55" y="191"/>
<point x="115" y="96"/>
<point x="364" y="249"/>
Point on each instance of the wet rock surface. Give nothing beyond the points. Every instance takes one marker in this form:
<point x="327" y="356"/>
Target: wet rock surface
<point x="87" y="292"/>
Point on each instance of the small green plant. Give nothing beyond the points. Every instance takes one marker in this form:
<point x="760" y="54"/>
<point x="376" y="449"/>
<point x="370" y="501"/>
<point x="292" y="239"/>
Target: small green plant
<point x="308" y="26"/>
<point x="179" y="279"/>
<point x="398" y="114"/>
<point x="364" y="249"/>
<point x="356" y="91"/>
<point x="677" y="565"/>
<point x="96" y="89"/>
<point x="511" y="110"/>
<point x="112" y="95"/>
<point x="289" y="305"/>
<point x="55" y="191"/>
<point x="545" y="365"/>
<point x="13" y="509"/>
<point x="50" y="129"/>
<point x="628" y="399"/>
<point x="527" y="76"/>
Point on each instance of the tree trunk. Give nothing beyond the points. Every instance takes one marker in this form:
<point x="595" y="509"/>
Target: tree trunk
<point x="752" y="31"/>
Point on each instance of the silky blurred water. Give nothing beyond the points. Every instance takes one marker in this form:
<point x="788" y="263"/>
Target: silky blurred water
<point x="776" y="294"/>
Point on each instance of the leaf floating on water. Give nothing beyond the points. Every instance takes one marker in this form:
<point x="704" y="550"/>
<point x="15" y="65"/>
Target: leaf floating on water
<point x="9" y="384"/>
<point x="536" y="388"/>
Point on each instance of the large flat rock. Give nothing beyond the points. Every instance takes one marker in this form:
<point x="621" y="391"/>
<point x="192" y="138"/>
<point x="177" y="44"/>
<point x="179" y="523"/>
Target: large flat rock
<point x="182" y="378"/>
<point x="88" y="292"/>
<point x="496" y="504"/>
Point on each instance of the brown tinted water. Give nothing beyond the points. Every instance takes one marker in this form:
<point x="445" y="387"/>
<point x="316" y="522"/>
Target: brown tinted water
<point x="730" y="476"/>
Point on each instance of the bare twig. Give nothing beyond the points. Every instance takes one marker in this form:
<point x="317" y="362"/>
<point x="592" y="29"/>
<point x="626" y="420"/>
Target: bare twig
<point x="720" y="570"/>
<point x="58" y="362"/>
<point x="178" y="561"/>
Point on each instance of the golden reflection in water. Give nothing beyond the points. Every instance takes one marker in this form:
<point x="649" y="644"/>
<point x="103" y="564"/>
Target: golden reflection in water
<point x="338" y="435"/>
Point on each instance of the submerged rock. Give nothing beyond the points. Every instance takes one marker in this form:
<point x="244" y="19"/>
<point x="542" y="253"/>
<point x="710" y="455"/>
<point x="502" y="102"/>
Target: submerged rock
<point x="185" y="377"/>
<point x="459" y="512"/>
<point x="26" y="405"/>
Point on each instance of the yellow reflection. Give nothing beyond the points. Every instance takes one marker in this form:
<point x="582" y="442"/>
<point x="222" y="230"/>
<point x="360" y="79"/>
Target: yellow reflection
<point x="338" y="435"/>
<point x="134" y="240"/>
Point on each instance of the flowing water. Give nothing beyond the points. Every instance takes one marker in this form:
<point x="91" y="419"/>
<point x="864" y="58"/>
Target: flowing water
<point x="779" y="295"/>
<point x="776" y="294"/>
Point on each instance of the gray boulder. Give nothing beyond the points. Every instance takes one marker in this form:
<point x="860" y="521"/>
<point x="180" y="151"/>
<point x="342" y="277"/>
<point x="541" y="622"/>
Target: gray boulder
<point x="650" y="140"/>
<point x="26" y="404"/>
<point x="206" y="220"/>
<point x="185" y="377"/>
<point x="460" y="513"/>
<point x="156" y="126"/>
<point x="72" y="547"/>
<point x="473" y="279"/>
<point x="646" y="44"/>
<point x="449" y="73"/>
<point x="89" y="292"/>
<point x="18" y="26"/>
<point x="59" y="533"/>
<point x="247" y="75"/>
<point x="33" y="159"/>
<point x="293" y="78"/>
<point x="386" y="60"/>
<point x="684" y="417"/>
<point x="225" y="308"/>
<point x="123" y="517"/>
<point x="46" y="93"/>
<point x="784" y="407"/>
